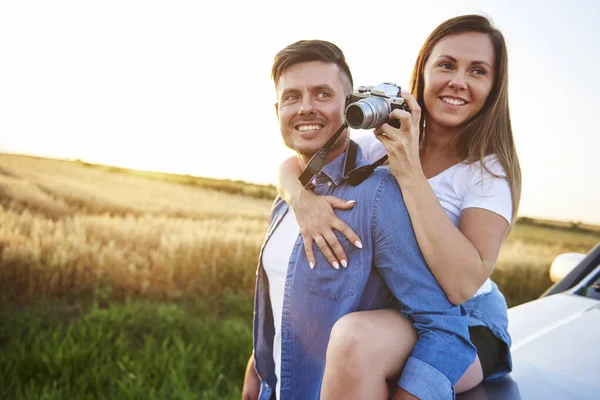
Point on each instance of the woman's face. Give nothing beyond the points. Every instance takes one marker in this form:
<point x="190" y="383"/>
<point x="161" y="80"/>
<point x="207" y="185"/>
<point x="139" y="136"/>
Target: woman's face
<point x="459" y="76"/>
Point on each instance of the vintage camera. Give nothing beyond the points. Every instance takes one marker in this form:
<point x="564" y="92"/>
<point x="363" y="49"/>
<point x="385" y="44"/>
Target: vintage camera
<point x="370" y="106"/>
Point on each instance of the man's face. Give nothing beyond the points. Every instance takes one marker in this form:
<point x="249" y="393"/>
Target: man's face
<point x="310" y="106"/>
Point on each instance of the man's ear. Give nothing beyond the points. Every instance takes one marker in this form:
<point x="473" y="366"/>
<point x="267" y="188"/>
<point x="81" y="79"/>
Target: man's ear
<point x="277" y="109"/>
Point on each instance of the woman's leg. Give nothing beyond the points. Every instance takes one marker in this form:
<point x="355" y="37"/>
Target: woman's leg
<point x="366" y="348"/>
<point x="471" y="378"/>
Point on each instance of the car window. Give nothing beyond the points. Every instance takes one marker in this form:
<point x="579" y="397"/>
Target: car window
<point x="591" y="288"/>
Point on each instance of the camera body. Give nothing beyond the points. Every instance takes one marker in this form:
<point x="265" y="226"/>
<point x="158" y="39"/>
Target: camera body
<point x="370" y="106"/>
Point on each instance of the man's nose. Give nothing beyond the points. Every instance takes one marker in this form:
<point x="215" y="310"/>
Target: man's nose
<point x="306" y="107"/>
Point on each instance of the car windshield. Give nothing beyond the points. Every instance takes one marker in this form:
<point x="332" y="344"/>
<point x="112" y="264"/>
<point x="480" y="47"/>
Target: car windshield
<point x="592" y="288"/>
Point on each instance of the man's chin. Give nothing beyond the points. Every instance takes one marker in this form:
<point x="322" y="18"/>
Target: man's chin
<point x="305" y="150"/>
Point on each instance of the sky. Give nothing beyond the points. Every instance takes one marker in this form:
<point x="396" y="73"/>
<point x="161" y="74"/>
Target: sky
<point x="184" y="86"/>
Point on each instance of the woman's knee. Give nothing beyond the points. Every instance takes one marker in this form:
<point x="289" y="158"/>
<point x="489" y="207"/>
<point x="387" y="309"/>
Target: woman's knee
<point x="381" y="338"/>
<point x="347" y="342"/>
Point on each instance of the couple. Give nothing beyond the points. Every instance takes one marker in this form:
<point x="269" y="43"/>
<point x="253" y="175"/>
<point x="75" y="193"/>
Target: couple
<point x="406" y="298"/>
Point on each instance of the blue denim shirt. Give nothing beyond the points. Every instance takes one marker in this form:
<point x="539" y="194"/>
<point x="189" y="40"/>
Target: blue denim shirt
<point x="389" y="265"/>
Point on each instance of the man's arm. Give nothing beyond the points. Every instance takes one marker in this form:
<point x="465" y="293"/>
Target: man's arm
<point x="251" y="388"/>
<point x="443" y="351"/>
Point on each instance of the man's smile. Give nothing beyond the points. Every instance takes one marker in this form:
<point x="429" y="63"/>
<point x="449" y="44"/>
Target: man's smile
<point x="308" y="128"/>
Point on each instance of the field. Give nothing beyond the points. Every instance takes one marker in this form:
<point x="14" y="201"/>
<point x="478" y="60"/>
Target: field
<point x="129" y="284"/>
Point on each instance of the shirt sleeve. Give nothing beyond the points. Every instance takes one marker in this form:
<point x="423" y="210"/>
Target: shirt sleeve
<point x="443" y="351"/>
<point x="371" y="148"/>
<point x="487" y="191"/>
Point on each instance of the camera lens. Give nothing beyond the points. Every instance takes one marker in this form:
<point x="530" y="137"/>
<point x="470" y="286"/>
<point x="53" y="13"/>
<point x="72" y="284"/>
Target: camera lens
<point x="367" y="113"/>
<point x="355" y="116"/>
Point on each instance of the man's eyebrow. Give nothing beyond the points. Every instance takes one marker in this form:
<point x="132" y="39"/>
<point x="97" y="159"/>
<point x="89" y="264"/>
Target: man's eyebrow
<point x="288" y="91"/>
<point x="472" y="63"/>
<point x="315" y="88"/>
<point x="322" y="86"/>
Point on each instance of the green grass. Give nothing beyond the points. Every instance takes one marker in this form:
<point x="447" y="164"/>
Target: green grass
<point x="195" y="349"/>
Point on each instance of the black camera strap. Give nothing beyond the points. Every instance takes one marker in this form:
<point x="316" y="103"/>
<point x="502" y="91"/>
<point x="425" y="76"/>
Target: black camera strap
<point x="353" y="175"/>
<point x="358" y="175"/>
<point x="317" y="162"/>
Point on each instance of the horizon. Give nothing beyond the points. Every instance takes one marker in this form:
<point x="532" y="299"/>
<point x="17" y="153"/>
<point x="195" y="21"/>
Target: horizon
<point x="92" y="165"/>
<point x="167" y="87"/>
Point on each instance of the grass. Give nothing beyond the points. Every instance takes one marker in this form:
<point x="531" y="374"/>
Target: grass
<point x="522" y="270"/>
<point x="132" y="350"/>
<point x="127" y="284"/>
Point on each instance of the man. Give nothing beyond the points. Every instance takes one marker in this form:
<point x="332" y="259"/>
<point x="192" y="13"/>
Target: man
<point x="296" y="306"/>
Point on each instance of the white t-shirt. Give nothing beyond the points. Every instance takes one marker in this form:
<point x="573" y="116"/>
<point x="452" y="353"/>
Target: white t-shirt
<point x="275" y="259"/>
<point x="464" y="185"/>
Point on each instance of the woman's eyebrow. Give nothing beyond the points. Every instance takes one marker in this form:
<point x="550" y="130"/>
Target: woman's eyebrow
<point x="472" y="63"/>
<point x="481" y="63"/>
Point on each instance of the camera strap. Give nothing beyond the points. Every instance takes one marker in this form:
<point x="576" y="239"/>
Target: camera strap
<point x="353" y="175"/>
<point x="317" y="162"/>
<point x="358" y="175"/>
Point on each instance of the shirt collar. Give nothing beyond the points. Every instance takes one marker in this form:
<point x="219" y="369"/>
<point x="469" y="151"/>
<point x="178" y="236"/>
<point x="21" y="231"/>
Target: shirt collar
<point x="334" y="170"/>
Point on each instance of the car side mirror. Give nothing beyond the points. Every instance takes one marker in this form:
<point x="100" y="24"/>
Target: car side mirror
<point x="563" y="264"/>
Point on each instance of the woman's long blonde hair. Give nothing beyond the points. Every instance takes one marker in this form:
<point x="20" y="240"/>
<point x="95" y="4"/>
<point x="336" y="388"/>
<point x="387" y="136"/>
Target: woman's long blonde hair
<point x="490" y="131"/>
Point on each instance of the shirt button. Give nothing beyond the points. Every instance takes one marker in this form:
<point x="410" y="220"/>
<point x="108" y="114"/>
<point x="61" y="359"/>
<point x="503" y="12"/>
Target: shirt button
<point x="329" y="183"/>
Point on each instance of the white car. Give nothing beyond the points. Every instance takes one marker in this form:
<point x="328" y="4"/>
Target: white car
<point x="555" y="339"/>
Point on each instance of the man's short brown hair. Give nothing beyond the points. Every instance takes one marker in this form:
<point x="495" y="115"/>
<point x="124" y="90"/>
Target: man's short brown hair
<point x="306" y="51"/>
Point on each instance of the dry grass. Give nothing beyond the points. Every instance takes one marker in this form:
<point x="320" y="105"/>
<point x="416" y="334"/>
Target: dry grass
<point x="67" y="229"/>
<point x="526" y="256"/>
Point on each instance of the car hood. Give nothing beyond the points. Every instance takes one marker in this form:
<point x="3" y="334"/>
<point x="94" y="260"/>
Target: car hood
<point x="555" y="350"/>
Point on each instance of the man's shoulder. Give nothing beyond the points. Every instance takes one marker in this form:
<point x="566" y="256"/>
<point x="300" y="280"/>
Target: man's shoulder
<point x="380" y="183"/>
<point x="381" y="176"/>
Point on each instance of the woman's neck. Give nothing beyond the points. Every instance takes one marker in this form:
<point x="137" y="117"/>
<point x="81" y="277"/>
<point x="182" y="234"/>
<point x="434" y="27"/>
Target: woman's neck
<point x="437" y="145"/>
<point x="436" y="152"/>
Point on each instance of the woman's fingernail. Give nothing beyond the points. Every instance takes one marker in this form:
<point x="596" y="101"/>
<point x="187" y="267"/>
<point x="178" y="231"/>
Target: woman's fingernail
<point x="358" y="244"/>
<point x="351" y="201"/>
<point x="311" y="265"/>
<point x="344" y="263"/>
<point x="335" y="265"/>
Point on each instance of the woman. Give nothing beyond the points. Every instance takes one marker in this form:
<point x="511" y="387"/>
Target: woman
<point x="455" y="162"/>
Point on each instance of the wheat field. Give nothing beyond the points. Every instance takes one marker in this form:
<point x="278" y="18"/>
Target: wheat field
<point x="67" y="228"/>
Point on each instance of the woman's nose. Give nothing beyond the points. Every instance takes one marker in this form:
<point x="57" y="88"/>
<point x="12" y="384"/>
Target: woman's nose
<point x="458" y="82"/>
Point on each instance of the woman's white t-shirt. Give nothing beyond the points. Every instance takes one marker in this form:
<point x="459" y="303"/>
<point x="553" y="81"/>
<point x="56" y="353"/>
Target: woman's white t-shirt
<point x="464" y="185"/>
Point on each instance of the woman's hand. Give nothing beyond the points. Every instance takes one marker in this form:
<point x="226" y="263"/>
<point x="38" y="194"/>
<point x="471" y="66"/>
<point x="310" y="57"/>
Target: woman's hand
<point x="402" y="145"/>
<point x="317" y="221"/>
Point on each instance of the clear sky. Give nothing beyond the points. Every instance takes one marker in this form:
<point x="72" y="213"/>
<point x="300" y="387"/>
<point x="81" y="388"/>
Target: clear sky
<point x="183" y="86"/>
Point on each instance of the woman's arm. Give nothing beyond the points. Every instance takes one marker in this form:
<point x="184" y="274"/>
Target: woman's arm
<point x="461" y="258"/>
<point x="315" y="216"/>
